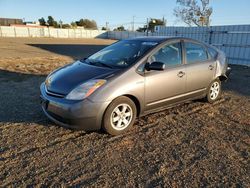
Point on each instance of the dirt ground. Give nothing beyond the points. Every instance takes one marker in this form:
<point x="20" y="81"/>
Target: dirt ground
<point x="192" y="145"/>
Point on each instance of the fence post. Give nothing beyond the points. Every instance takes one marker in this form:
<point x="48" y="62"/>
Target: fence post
<point x="14" y="31"/>
<point x="28" y="31"/>
<point x="42" y="32"/>
<point x="210" y="36"/>
<point x="1" y="31"/>
<point x="49" y="32"/>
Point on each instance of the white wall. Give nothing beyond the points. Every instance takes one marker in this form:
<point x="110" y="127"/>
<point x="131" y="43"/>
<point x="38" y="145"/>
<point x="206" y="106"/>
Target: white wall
<point x="6" y="31"/>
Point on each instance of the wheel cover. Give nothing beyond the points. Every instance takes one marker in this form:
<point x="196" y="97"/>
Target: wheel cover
<point x="121" y="117"/>
<point x="214" y="90"/>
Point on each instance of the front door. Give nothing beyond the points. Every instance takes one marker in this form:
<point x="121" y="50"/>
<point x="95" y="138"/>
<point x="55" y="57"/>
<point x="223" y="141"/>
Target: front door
<point x="164" y="87"/>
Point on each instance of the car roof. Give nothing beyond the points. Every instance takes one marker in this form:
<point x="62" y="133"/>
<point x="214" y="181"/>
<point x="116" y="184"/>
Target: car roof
<point x="160" y="39"/>
<point x="157" y="39"/>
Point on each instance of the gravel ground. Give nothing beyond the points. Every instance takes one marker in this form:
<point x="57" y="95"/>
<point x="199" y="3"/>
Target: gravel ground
<point x="195" y="144"/>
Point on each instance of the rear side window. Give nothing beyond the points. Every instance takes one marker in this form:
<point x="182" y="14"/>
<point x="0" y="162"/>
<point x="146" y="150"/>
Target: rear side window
<point x="195" y="53"/>
<point x="213" y="53"/>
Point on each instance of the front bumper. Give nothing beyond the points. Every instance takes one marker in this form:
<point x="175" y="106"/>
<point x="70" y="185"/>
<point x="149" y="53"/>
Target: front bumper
<point x="83" y="115"/>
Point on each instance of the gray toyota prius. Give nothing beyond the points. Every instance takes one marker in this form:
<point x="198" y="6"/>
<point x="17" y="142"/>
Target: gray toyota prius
<point x="131" y="78"/>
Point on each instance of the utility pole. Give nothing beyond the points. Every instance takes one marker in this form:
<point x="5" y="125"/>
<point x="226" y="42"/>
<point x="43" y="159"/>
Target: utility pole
<point x="147" y="26"/>
<point x="164" y="20"/>
<point x="107" y="29"/>
<point x="133" y="24"/>
<point x="60" y="22"/>
<point x="107" y="26"/>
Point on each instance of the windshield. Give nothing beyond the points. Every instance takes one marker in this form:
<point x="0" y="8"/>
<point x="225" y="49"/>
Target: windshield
<point x="121" y="54"/>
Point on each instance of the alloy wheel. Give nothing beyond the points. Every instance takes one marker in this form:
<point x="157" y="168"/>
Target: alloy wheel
<point x="214" y="90"/>
<point x="121" y="116"/>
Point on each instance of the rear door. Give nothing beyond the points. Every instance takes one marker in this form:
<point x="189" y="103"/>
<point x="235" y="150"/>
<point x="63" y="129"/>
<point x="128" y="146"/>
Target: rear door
<point x="199" y="67"/>
<point x="164" y="87"/>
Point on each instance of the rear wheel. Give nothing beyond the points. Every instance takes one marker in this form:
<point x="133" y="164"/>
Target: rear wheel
<point x="214" y="91"/>
<point x="119" y="116"/>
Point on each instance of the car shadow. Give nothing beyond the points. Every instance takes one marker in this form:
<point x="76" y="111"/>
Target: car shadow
<point x="75" y="51"/>
<point x="19" y="99"/>
<point x="239" y="80"/>
<point x="20" y="94"/>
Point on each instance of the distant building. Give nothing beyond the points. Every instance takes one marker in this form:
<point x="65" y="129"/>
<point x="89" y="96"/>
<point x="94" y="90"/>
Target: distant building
<point x="10" y="21"/>
<point x="32" y="23"/>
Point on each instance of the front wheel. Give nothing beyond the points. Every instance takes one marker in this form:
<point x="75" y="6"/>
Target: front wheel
<point x="214" y="91"/>
<point x="119" y="116"/>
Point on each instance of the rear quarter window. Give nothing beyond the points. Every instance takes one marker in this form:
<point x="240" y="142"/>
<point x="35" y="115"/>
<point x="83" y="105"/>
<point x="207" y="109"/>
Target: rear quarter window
<point x="212" y="52"/>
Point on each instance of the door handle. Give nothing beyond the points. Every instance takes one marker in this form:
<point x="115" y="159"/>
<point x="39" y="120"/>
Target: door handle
<point x="181" y="74"/>
<point x="211" y="67"/>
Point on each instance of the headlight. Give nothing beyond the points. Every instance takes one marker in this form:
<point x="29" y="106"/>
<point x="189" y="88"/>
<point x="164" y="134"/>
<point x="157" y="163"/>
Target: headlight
<point x="84" y="90"/>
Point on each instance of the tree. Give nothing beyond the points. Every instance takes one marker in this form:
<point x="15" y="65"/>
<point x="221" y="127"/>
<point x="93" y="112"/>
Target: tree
<point x="120" y="28"/>
<point x="73" y="24"/>
<point x="155" y="22"/>
<point x="86" y="23"/>
<point x="104" y="28"/>
<point x="52" y="22"/>
<point x="66" y="26"/>
<point x="151" y="25"/>
<point x="194" y="12"/>
<point x="42" y="21"/>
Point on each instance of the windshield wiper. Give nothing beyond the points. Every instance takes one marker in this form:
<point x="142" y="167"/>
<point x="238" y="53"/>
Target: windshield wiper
<point x="83" y="60"/>
<point x="99" y="63"/>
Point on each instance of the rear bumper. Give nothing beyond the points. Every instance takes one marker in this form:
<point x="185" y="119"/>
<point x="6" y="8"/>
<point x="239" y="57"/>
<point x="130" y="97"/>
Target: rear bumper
<point x="228" y="71"/>
<point x="83" y="115"/>
<point x="225" y="75"/>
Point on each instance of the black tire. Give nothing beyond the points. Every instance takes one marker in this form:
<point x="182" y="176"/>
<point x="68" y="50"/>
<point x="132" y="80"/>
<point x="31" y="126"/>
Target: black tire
<point x="110" y="115"/>
<point x="210" y="97"/>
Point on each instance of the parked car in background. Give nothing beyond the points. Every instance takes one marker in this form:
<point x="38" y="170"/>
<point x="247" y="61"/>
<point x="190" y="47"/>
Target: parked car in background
<point x="131" y="78"/>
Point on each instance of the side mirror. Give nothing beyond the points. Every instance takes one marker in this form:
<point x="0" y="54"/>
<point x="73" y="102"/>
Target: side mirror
<point x="158" y="66"/>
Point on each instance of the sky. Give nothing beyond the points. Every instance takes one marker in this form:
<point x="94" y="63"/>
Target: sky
<point x="119" y="12"/>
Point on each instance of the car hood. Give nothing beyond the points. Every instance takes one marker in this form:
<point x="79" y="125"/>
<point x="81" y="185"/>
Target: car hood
<point x="65" y="79"/>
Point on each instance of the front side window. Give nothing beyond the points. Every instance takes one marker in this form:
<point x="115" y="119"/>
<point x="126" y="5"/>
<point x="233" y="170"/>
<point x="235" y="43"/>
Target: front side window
<point x="195" y="53"/>
<point x="169" y="54"/>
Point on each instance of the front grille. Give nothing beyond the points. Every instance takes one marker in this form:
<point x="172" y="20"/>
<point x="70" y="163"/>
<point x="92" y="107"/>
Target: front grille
<point x="53" y="94"/>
